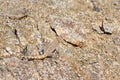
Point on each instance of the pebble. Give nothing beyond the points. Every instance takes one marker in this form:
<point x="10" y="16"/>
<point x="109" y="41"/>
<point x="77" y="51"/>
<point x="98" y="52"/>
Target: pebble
<point x="8" y="49"/>
<point x="97" y="28"/>
<point x="116" y="40"/>
<point x="96" y="8"/>
<point x="107" y="28"/>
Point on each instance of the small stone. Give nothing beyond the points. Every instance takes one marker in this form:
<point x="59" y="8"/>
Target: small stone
<point x="97" y="28"/>
<point x="9" y="23"/>
<point x="8" y="49"/>
<point x="107" y="28"/>
<point x="116" y="40"/>
<point x="96" y="8"/>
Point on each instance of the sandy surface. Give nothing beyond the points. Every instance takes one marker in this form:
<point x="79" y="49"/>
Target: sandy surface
<point x="90" y="49"/>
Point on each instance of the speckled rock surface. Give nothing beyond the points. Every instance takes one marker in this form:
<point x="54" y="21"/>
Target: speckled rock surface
<point x="28" y="26"/>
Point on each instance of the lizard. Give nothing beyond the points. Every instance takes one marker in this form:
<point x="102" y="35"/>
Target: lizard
<point x="51" y="47"/>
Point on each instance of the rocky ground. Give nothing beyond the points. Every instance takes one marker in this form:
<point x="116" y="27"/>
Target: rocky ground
<point x="90" y="49"/>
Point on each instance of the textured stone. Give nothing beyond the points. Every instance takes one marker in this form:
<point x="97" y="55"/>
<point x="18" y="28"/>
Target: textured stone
<point x="107" y="28"/>
<point x="116" y="40"/>
<point x="98" y="29"/>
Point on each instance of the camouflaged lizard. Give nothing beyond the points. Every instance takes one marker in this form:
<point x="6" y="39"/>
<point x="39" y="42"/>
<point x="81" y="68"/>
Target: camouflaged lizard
<point x="51" y="47"/>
